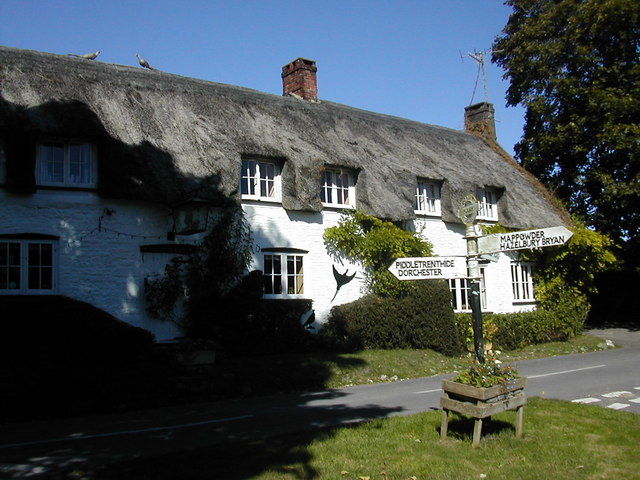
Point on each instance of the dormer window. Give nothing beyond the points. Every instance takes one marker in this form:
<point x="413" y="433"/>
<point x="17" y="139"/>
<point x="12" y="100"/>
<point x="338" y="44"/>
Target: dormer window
<point x="66" y="164"/>
<point x="338" y="188"/>
<point x="260" y="180"/>
<point x="487" y="204"/>
<point x="427" y="200"/>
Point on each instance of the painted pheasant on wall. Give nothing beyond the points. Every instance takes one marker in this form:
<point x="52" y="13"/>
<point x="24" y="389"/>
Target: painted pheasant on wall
<point x="341" y="279"/>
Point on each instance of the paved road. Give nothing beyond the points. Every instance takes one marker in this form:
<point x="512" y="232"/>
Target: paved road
<point x="609" y="378"/>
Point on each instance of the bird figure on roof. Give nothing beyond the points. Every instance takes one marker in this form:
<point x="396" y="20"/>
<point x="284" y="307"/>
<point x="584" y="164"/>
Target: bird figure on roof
<point x="143" y="62"/>
<point x="88" y="56"/>
<point x="341" y="279"/>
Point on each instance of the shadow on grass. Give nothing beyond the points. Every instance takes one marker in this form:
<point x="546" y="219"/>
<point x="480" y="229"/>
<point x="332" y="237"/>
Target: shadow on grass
<point x="285" y="456"/>
<point x="461" y="428"/>
<point x="162" y="420"/>
<point x="230" y="439"/>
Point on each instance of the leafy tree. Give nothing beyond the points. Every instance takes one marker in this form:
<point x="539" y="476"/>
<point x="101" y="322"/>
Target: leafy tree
<point x="375" y="243"/>
<point x="566" y="274"/>
<point x="574" y="65"/>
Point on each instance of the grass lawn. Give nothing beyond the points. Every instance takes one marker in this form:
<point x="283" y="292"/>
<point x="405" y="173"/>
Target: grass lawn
<point x="562" y="440"/>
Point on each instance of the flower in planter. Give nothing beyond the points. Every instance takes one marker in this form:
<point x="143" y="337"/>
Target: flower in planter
<point x="488" y="374"/>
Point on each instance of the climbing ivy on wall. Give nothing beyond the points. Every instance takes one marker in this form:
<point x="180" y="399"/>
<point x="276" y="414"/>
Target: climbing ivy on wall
<point x="204" y="283"/>
<point x="375" y="243"/>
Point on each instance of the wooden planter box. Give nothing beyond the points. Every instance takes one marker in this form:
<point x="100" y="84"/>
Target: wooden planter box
<point x="480" y="403"/>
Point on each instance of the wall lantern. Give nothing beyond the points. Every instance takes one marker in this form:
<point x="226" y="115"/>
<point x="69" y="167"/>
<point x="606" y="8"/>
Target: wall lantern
<point x="190" y="217"/>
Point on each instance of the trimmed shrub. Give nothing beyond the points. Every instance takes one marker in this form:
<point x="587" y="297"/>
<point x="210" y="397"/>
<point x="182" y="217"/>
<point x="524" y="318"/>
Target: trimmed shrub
<point x="511" y="331"/>
<point x="274" y="328"/>
<point x="65" y="357"/>
<point x="242" y="323"/>
<point x="56" y="328"/>
<point x="421" y="319"/>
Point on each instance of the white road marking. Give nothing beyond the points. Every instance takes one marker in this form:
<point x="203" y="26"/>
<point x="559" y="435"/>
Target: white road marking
<point x="618" y="406"/>
<point x="80" y="436"/>
<point x="565" y="371"/>
<point x="621" y="393"/>
<point x="429" y="391"/>
<point x="586" y="400"/>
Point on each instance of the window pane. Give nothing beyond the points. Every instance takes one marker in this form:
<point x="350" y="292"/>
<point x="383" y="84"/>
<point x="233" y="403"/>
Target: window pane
<point x="259" y="179"/>
<point x="80" y="163"/>
<point x="9" y="278"/>
<point x="268" y="264"/>
<point x="33" y="276"/>
<point x="267" y="180"/>
<point x="34" y="254"/>
<point x="248" y="177"/>
<point x="9" y="265"/>
<point x="427" y="197"/>
<point x="40" y="271"/>
<point x="52" y="162"/>
<point x="522" y="281"/>
<point x="454" y="293"/>
<point x="336" y="188"/>
<point x="325" y="193"/>
<point x="294" y="274"/>
<point x="343" y="185"/>
<point x="272" y="274"/>
<point x="277" y="284"/>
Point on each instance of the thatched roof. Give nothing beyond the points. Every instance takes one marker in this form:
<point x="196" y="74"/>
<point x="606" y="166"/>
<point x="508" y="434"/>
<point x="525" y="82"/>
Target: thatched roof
<point x="162" y="137"/>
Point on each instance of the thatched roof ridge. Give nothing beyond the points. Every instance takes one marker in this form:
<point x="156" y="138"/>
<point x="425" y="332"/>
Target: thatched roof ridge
<point x="165" y="135"/>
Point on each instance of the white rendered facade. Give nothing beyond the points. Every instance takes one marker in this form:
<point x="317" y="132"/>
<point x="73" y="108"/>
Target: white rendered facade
<point x="98" y="256"/>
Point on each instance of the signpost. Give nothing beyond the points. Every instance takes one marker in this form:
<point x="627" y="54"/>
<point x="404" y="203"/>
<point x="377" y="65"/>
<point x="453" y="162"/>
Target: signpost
<point x="427" y="268"/>
<point x="467" y="212"/>
<point x="543" y="237"/>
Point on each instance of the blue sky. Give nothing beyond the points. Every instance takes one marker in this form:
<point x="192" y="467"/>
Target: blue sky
<point x="404" y="57"/>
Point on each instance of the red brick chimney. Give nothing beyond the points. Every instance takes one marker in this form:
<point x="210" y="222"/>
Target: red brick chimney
<point x="479" y="119"/>
<point x="299" y="79"/>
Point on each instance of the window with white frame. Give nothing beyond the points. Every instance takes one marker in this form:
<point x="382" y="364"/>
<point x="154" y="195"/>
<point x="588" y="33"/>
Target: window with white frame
<point x="461" y="293"/>
<point x="27" y="266"/>
<point x="66" y="164"/>
<point x="283" y="273"/>
<point x="260" y="180"/>
<point x="427" y="199"/>
<point x="338" y="188"/>
<point x="487" y="204"/>
<point x="522" y="281"/>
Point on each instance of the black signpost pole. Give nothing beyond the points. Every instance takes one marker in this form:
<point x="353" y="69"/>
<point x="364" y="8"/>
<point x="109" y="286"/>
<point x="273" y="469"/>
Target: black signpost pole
<point x="474" y="291"/>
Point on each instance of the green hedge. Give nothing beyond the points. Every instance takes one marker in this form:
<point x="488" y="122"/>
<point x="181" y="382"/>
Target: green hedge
<point x="63" y="357"/>
<point x="511" y="331"/>
<point x="422" y="319"/>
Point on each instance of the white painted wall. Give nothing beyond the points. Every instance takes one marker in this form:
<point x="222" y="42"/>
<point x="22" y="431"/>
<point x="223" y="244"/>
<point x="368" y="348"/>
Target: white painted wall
<point x="448" y="240"/>
<point x="103" y="267"/>
<point x="272" y="226"/>
<point x="99" y="259"/>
